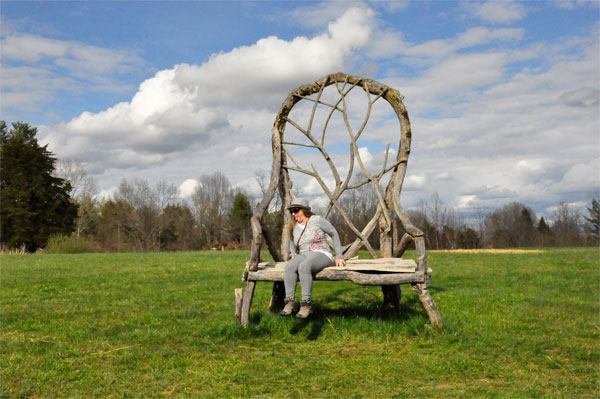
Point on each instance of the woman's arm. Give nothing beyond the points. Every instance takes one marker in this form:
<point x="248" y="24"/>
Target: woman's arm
<point x="332" y="232"/>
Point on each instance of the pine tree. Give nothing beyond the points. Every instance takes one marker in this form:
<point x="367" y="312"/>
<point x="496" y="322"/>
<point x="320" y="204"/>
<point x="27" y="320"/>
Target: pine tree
<point x="544" y="233"/>
<point x="35" y="204"/>
<point x="240" y="215"/>
<point x="593" y="228"/>
<point x="525" y="225"/>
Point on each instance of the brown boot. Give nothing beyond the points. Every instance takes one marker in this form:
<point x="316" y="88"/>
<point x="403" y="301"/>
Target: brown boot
<point x="288" y="309"/>
<point x="305" y="310"/>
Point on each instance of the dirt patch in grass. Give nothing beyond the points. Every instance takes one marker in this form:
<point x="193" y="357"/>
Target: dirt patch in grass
<point x="492" y="251"/>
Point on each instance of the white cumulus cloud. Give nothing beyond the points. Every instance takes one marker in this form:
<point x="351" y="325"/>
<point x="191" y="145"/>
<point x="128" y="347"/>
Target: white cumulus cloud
<point x="191" y="107"/>
<point x="187" y="188"/>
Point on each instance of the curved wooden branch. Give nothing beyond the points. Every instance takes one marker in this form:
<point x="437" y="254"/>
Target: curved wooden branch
<point x="286" y="199"/>
<point x="404" y="242"/>
<point x="364" y="240"/>
<point x="314" y="109"/>
<point x="262" y="206"/>
<point x="353" y="139"/>
<point x="320" y="102"/>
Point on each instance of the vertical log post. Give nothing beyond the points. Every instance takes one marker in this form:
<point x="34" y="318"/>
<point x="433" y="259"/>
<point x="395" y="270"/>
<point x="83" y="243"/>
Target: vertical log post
<point x="238" y="304"/>
<point x="392" y="294"/>
<point x="247" y="302"/>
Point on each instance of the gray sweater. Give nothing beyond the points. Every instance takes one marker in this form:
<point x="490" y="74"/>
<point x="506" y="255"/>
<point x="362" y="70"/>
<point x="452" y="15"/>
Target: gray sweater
<point x="314" y="238"/>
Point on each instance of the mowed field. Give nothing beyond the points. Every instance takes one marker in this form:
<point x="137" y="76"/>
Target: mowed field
<point x="518" y="325"/>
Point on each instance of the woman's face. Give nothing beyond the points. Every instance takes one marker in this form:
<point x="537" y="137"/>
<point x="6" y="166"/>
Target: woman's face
<point x="299" y="216"/>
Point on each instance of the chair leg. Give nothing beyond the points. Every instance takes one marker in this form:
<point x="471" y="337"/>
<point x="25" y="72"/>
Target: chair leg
<point x="247" y="302"/>
<point x="238" y="304"/>
<point x="429" y="305"/>
<point x="392" y="296"/>
<point x="277" y="297"/>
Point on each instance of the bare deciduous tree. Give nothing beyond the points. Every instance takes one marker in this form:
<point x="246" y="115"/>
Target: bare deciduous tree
<point x="82" y="185"/>
<point x="147" y="204"/>
<point x="511" y="226"/>
<point x="212" y="201"/>
<point x="84" y="191"/>
<point x="566" y="225"/>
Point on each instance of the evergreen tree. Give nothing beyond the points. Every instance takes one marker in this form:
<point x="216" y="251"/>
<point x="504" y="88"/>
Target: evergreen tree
<point x="593" y="228"/>
<point x="544" y="233"/>
<point x="35" y="204"/>
<point x="240" y="215"/>
<point x="526" y="228"/>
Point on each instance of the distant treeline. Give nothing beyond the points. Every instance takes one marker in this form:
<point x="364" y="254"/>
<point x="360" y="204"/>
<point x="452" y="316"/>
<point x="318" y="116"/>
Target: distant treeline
<point x="139" y="217"/>
<point x="55" y="205"/>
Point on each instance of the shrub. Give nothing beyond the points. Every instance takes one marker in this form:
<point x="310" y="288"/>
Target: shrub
<point x="63" y="244"/>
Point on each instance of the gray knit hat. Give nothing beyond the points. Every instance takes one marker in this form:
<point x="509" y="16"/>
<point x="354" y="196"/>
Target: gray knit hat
<point x="300" y="203"/>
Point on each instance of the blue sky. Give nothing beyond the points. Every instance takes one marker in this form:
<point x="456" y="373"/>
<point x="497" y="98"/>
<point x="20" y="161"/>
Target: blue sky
<point x="503" y="96"/>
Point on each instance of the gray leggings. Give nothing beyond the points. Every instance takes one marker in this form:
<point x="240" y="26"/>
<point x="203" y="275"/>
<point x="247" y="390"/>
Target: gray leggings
<point x="303" y="265"/>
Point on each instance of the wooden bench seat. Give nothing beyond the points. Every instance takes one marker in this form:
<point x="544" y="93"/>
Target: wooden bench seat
<point x="381" y="271"/>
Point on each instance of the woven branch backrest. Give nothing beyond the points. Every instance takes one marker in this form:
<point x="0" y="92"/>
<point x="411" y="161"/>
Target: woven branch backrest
<point x="318" y="98"/>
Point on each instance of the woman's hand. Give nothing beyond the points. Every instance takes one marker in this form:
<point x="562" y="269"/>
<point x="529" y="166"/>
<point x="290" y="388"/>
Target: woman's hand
<point x="340" y="262"/>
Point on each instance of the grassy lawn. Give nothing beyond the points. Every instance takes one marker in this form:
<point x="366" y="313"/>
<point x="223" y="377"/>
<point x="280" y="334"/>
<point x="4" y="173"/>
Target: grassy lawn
<point x="162" y="325"/>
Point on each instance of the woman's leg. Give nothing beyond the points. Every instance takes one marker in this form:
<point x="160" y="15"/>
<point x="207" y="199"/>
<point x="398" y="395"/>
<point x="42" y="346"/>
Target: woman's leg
<point x="313" y="263"/>
<point x="290" y="276"/>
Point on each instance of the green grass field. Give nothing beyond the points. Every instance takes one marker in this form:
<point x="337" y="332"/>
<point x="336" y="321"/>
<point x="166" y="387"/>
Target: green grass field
<point x="162" y="325"/>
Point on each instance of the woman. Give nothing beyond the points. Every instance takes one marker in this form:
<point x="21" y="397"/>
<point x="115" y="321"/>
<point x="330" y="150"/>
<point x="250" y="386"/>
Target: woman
<point x="312" y="254"/>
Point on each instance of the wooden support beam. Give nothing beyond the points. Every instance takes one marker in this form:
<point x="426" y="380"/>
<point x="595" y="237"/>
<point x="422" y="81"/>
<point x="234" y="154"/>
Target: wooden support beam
<point x="238" y="304"/>
<point x="247" y="302"/>
<point x="335" y="274"/>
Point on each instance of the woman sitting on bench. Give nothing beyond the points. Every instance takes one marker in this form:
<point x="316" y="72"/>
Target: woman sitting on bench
<point x="312" y="254"/>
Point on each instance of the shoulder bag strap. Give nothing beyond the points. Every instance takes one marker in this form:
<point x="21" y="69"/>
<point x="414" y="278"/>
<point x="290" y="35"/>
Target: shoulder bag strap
<point x="301" y="234"/>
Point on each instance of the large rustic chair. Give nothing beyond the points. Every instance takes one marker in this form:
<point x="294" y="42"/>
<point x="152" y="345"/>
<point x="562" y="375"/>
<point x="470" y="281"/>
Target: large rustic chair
<point x="332" y="94"/>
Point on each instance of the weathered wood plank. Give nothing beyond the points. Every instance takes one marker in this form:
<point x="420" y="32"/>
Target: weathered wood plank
<point x="388" y="265"/>
<point x="336" y="274"/>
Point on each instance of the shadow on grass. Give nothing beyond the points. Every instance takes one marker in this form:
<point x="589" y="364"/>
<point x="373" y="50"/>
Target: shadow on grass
<point x="343" y="303"/>
<point x="315" y="324"/>
<point x="322" y="314"/>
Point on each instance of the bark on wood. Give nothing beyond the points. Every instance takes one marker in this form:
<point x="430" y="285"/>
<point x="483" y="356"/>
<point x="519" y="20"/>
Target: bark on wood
<point x="421" y="254"/>
<point x="429" y="305"/>
<point x="247" y="302"/>
<point x="335" y="274"/>
<point x="286" y="198"/>
<point x="238" y="304"/>
<point x="384" y="265"/>
<point x="262" y="206"/>
<point x="404" y="242"/>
